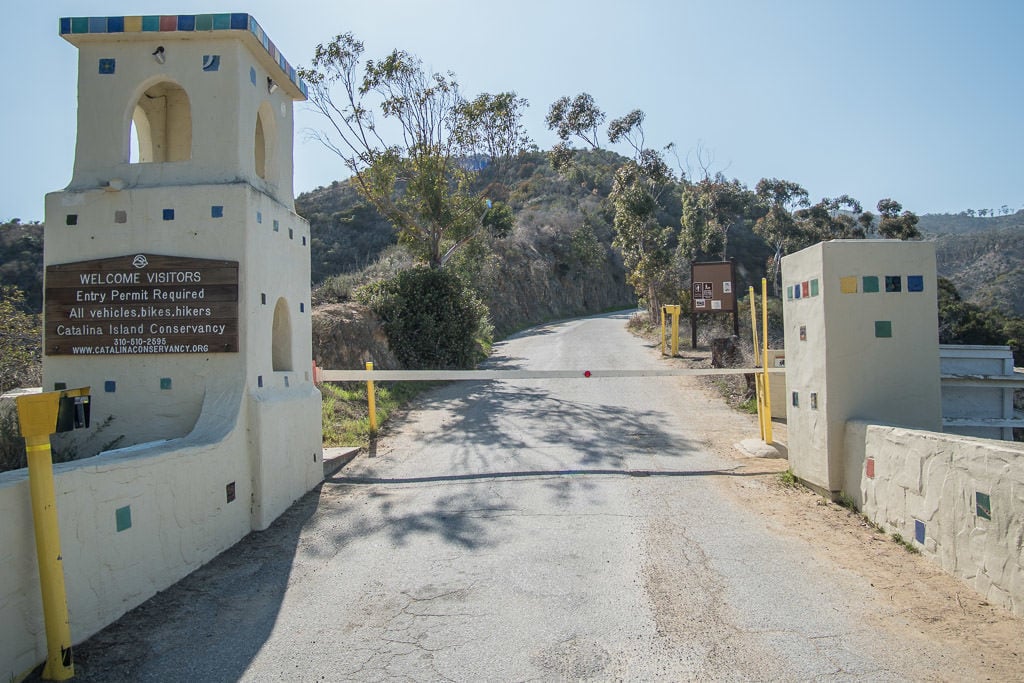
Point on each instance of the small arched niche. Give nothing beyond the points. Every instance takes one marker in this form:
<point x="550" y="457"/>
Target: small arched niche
<point x="265" y="142"/>
<point x="281" y="336"/>
<point x="162" y="125"/>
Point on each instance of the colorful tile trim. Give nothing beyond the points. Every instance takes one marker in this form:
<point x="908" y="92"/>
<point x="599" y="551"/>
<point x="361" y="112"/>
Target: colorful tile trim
<point x="870" y="468"/>
<point x="216" y="211"/>
<point x="110" y="386"/>
<point x="804" y="290"/>
<point x="107" y="66"/>
<point x="919" y="531"/>
<point x="235" y="21"/>
<point x="871" y="284"/>
<point x="883" y="329"/>
<point x="165" y="384"/>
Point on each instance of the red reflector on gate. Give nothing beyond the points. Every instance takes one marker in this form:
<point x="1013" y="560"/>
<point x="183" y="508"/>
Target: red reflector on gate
<point x="586" y="373"/>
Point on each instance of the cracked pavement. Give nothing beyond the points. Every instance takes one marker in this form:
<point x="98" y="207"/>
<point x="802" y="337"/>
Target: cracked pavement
<point x="528" y="531"/>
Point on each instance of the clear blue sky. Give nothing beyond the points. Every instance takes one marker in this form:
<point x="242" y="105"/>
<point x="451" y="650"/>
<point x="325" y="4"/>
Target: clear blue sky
<point x="920" y="100"/>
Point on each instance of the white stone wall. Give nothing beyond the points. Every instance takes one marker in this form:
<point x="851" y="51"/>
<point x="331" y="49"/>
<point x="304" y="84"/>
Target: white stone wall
<point x="132" y="522"/>
<point x="935" y="491"/>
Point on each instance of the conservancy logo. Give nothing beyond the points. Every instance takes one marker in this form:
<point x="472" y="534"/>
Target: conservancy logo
<point x="140" y="261"/>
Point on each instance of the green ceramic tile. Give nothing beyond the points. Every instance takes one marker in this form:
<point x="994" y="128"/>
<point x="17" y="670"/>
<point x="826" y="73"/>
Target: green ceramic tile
<point x="983" y="505"/>
<point x="204" y="22"/>
<point x="123" y="517"/>
<point x="814" y="288"/>
<point x="870" y="283"/>
<point x="883" y="328"/>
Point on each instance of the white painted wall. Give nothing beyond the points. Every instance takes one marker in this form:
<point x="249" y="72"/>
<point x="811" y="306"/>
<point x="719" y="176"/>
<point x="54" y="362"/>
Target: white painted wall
<point x="933" y="479"/>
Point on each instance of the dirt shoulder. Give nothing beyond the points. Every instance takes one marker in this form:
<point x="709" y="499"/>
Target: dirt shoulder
<point x="915" y="598"/>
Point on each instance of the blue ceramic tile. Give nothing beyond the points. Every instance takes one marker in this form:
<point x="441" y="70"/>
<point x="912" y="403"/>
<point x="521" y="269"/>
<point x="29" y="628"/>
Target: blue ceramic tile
<point x="65" y="25"/>
<point x="107" y="66"/>
<point x="259" y="381"/>
<point x="239" y="21"/>
<point x="168" y="214"/>
<point x="252" y="75"/>
<point x="71" y="219"/>
<point x="259" y="217"/>
<point x="915" y="283"/>
<point x="893" y="283"/>
<point x="216" y="212"/>
<point x="186" y="22"/>
<point x="211" y="62"/>
<point x="110" y="386"/>
<point x="919" y="531"/>
<point x="302" y="307"/>
<point x="97" y="24"/>
<point x="115" y="24"/>
<point x="277" y="225"/>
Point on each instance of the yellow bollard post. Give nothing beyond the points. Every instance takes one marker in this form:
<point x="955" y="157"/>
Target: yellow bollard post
<point x="759" y="393"/>
<point x="764" y="357"/>
<point x="371" y="401"/>
<point x="675" y="330"/>
<point x="663" y="330"/>
<point x="37" y="416"/>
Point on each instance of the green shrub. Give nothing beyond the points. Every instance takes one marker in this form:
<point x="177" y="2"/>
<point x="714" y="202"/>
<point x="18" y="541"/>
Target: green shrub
<point x="432" y="320"/>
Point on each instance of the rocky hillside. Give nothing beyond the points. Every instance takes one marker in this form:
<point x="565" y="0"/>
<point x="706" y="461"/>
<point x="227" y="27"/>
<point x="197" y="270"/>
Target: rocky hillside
<point x="986" y="266"/>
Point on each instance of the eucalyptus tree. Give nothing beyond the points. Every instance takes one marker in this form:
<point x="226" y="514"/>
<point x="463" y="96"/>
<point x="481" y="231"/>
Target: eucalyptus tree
<point x="405" y="135"/>
<point x="839" y="217"/>
<point x="577" y="117"/>
<point x="712" y="207"/>
<point x="896" y="225"/>
<point x="777" y="226"/>
<point x="645" y="244"/>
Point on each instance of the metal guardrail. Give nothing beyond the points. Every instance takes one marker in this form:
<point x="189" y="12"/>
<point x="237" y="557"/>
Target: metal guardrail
<point x="1014" y="381"/>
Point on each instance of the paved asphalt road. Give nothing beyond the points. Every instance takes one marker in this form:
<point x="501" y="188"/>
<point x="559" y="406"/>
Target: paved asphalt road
<point x="536" y="530"/>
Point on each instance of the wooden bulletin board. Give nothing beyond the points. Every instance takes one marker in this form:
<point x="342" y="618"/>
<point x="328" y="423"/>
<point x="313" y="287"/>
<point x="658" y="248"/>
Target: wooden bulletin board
<point x="713" y="290"/>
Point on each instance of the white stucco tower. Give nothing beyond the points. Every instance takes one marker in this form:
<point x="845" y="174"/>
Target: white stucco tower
<point x="862" y="343"/>
<point x="177" y="271"/>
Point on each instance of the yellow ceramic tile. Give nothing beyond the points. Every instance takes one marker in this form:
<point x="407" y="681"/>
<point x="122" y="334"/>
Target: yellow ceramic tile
<point x="848" y="285"/>
<point x="132" y="24"/>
